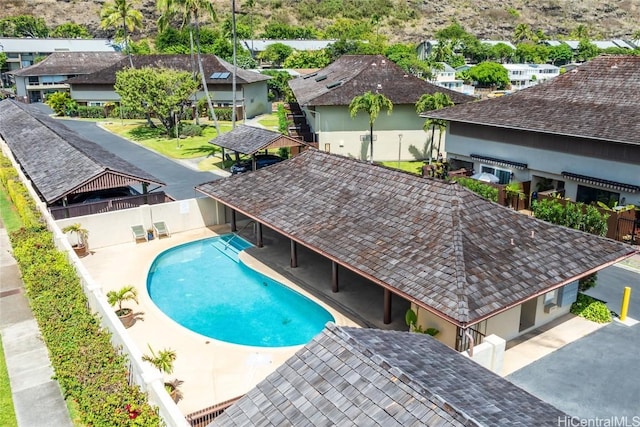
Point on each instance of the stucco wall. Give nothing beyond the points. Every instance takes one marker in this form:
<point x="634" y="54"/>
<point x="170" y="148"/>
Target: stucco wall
<point x="543" y="162"/>
<point x="334" y="126"/>
<point x="426" y="319"/>
<point x="507" y="324"/>
<point x="112" y="228"/>
<point x="256" y="99"/>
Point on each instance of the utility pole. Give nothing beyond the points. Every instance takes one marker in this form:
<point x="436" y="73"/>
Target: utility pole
<point x="235" y="64"/>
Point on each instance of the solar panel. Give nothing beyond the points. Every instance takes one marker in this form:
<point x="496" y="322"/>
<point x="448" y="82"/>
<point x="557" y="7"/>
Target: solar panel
<point x="215" y="76"/>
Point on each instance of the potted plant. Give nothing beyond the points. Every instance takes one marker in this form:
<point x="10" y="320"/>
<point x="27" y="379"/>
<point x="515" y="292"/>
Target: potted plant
<point x="163" y="361"/>
<point x="149" y="233"/>
<point x="126" y="293"/>
<point x="80" y="247"/>
<point x="411" y="319"/>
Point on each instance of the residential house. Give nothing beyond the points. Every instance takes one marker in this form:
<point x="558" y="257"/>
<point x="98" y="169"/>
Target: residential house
<point x="324" y="99"/>
<point x="578" y="133"/>
<point x="24" y="52"/>
<point x="251" y="87"/>
<point x="368" y="377"/>
<point x="35" y="82"/>
<point x="523" y="76"/>
<point x="467" y="266"/>
<point x="446" y="77"/>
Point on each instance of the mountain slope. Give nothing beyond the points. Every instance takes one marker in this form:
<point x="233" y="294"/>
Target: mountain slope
<point x="400" y="21"/>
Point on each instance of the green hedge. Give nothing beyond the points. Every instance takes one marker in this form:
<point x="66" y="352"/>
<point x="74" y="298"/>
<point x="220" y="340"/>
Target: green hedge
<point x="484" y="190"/>
<point x="90" y="371"/>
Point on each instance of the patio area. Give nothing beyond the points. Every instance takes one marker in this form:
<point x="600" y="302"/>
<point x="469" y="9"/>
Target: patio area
<point x="212" y="371"/>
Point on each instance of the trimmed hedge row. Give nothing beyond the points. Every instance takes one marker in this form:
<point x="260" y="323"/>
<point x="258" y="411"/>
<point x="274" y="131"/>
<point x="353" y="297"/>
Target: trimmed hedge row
<point x="90" y="371"/>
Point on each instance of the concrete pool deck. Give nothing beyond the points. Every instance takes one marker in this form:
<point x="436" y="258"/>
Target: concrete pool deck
<point x="212" y="371"/>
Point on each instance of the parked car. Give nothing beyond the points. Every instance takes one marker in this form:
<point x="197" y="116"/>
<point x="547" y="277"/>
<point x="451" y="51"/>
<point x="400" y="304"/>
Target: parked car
<point x="262" y="160"/>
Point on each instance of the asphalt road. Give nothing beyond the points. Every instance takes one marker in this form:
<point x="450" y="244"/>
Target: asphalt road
<point x="180" y="179"/>
<point x="595" y="376"/>
<point x="610" y="286"/>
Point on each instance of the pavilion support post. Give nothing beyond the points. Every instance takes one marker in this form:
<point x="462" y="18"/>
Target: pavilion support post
<point x="294" y="254"/>
<point x="259" y="242"/>
<point x="334" y="276"/>
<point x="387" y="306"/>
<point x="234" y="225"/>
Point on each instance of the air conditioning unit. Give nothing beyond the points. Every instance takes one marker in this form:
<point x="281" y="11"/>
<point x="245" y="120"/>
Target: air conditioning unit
<point x="550" y="308"/>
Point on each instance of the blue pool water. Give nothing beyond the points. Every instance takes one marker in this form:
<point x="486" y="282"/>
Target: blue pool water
<point x="204" y="287"/>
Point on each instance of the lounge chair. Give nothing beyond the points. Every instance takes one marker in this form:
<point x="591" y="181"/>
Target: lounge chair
<point x="161" y="229"/>
<point x="139" y="233"/>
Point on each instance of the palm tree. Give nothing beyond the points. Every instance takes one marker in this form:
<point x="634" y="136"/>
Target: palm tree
<point x="372" y="104"/>
<point x="428" y="102"/>
<point x="522" y="32"/>
<point x="190" y="10"/>
<point x="121" y="12"/>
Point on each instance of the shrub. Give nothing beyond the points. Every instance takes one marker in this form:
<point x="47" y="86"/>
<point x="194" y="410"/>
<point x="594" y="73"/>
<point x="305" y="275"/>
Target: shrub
<point x="91" y="112"/>
<point x="190" y="130"/>
<point x="484" y="190"/>
<point x="591" y="309"/>
<point x="89" y="370"/>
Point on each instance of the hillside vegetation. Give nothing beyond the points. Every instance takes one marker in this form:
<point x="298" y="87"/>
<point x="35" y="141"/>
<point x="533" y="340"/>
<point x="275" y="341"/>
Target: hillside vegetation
<point x="397" y="20"/>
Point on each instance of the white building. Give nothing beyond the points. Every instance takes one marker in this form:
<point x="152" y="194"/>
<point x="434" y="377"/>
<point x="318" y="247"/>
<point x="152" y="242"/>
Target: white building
<point x="523" y="76"/>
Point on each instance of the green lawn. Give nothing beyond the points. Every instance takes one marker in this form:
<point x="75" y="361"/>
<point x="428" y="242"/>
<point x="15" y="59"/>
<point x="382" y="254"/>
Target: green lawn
<point x="9" y="215"/>
<point x="7" y="414"/>
<point x="407" y="166"/>
<point x="157" y="140"/>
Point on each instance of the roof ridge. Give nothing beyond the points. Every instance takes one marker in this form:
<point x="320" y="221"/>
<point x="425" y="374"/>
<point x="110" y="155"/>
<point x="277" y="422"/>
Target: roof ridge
<point x="458" y="251"/>
<point x="383" y="363"/>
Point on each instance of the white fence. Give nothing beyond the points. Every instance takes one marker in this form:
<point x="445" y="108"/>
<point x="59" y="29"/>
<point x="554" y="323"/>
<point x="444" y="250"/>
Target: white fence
<point x="113" y="228"/>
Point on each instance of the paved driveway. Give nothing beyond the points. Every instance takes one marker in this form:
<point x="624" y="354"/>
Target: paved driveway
<point x="596" y="376"/>
<point x="180" y="179"/>
<point x="611" y="284"/>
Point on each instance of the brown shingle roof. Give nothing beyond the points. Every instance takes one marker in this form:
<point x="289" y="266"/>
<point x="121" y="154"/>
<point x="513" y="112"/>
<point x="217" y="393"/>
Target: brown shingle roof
<point x="359" y="74"/>
<point x="368" y="377"/>
<point x="56" y="159"/>
<point x="248" y="139"/>
<point x="597" y="100"/>
<point x="70" y="63"/>
<point x="434" y="242"/>
<point x="210" y="63"/>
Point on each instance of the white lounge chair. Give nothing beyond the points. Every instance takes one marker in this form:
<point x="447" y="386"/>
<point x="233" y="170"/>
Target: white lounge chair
<point x="161" y="229"/>
<point x="139" y="233"/>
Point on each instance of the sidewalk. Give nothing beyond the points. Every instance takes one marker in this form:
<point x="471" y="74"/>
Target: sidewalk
<point x="36" y="396"/>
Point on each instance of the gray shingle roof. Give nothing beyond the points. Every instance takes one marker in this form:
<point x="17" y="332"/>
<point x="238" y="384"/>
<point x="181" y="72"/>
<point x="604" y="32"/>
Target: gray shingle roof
<point x="433" y="242"/>
<point x="210" y="63"/>
<point x="56" y="159"/>
<point x="349" y="376"/>
<point x="248" y="139"/>
<point x="597" y="100"/>
<point x="362" y="73"/>
<point x="70" y="63"/>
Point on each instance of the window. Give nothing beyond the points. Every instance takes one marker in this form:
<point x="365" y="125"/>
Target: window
<point x="502" y="174"/>
<point x="588" y="195"/>
<point x="550" y="297"/>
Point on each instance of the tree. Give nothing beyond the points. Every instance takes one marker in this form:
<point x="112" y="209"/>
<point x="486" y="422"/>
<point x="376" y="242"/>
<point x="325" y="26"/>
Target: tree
<point x="404" y="56"/>
<point x="278" y="85"/>
<point x="428" y="102"/>
<point x="60" y="103"/>
<point x="71" y="30"/>
<point x="276" y="53"/>
<point x="586" y="50"/>
<point x="190" y="10"/>
<point x="531" y="53"/>
<point x="490" y="74"/>
<point x="522" y="33"/>
<point x="501" y="52"/>
<point x="307" y="59"/>
<point x="580" y="32"/>
<point x="561" y="54"/>
<point x="23" y="26"/>
<point x="372" y="104"/>
<point x="159" y="92"/>
<point x="121" y="14"/>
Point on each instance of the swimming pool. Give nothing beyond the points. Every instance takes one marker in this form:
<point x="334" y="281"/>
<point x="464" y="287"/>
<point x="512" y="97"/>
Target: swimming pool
<point x="204" y="287"/>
